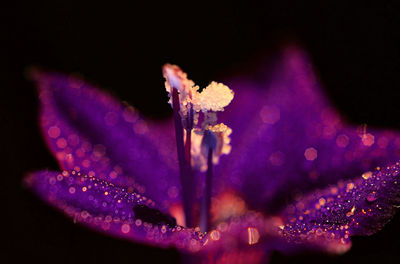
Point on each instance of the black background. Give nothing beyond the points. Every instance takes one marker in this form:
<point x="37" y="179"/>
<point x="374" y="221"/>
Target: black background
<point x="354" y="46"/>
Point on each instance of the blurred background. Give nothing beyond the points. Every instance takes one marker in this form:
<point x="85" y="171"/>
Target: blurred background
<point x="355" y="48"/>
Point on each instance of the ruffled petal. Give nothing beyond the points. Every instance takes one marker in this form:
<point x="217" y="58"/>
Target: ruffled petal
<point x="88" y="130"/>
<point x="359" y="207"/>
<point x="113" y="210"/>
<point x="287" y="139"/>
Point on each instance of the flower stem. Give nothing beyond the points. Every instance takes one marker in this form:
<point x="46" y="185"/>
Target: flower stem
<point x="186" y="174"/>
<point x="206" y="203"/>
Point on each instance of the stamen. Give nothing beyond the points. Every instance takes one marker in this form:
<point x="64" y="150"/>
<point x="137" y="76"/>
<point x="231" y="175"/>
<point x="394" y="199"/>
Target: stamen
<point x="203" y="146"/>
<point x="178" y="128"/>
<point x="176" y="78"/>
<point x="199" y="137"/>
<point x="186" y="174"/>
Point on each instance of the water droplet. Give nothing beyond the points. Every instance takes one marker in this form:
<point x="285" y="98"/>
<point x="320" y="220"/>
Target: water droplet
<point x="371" y="197"/>
<point x="311" y="154"/>
<point x="367" y="175"/>
<point x="125" y="228"/>
<point x="342" y="141"/>
<point x="253" y="235"/>
<point x="54" y="132"/>
<point x="270" y="114"/>
<point x="215" y="235"/>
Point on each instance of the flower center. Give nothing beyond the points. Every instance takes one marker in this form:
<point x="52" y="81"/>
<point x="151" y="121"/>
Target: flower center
<point x="198" y="147"/>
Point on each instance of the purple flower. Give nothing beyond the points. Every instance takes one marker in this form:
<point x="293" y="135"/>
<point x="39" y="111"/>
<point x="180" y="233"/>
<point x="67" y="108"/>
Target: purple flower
<point x="297" y="176"/>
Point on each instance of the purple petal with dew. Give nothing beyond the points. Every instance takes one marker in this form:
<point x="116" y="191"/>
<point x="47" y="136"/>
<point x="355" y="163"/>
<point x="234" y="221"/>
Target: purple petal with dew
<point x="88" y="130"/>
<point x="287" y="139"/>
<point x="355" y="207"/>
<point x="107" y="208"/>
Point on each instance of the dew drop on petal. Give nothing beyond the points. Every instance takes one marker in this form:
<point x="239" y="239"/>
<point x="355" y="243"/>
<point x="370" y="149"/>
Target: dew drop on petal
<point x="130" y="114"/>
<point x="253" y="235"/>
<point x="366" y="175"/>
<point x="277" y="158"/>
<point x="371" y="197"/>
<point x="215" y="235"/>
<point x="52" y="180"/>
<point x="351" y="212"/>
<point x="270" y="114"/>
<point x="125" y="228"/>
<point x="60" y="177"/>
<point x="368" y="140"/>
<point x="71" y="190"/>
<point x="113" y="175"/>
<point x="108" y="219"/>
<point x="61" y="143"/>
<point x="99" y="151"/>
<point x="311" y="154"/>
<point x="334" y="190"/>
<point x="342" y="141"/>
<point x="54" y="132"/>
<point x="84" y="214"/>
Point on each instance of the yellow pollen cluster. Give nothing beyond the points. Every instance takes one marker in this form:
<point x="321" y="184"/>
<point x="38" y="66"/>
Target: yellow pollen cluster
<point x="222" y="132"/>
<point x="199" y="151"/>
<point x="213" y="98"/>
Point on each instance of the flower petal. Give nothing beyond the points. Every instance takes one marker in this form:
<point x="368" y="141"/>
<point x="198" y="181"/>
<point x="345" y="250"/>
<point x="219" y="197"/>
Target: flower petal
<point x="107" y="208"/>
<point x="359" y="207"/>
<point x="287" y="138"/>
<point x="88" y="130"/>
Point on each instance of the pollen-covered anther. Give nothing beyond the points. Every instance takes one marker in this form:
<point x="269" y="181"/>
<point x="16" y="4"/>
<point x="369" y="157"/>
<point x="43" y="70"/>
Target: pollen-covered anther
<point x="222" y="133"/>
<point x="215" y="137"/>
<point x="176" y="78"/>
<point x="214" y="97"/>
